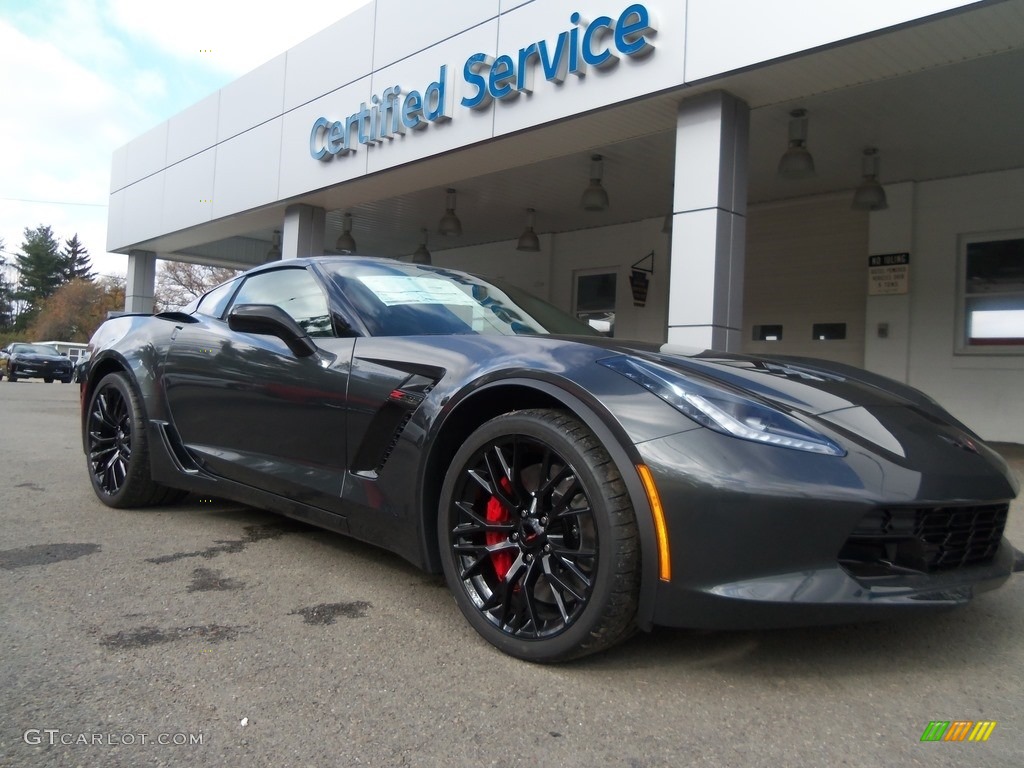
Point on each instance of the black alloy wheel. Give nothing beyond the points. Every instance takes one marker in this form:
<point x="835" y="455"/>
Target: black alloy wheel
<point x="538" y="538"/>
<point x="117" y="449"/>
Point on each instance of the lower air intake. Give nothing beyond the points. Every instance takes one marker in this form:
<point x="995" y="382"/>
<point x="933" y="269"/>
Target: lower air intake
<point x="899" y="540"/>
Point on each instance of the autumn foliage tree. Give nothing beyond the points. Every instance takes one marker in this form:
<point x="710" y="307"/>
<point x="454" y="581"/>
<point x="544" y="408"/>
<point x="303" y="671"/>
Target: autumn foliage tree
<point x="178" y="283"/>
<point x="76" y="309"/>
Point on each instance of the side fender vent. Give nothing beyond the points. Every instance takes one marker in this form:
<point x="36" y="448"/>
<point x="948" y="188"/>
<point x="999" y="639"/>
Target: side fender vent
<point x="389" y="423"/>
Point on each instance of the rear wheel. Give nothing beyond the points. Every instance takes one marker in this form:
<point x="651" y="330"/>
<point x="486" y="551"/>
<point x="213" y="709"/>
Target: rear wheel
<point x="538" y="538"/>
<point x="118" y="449"/>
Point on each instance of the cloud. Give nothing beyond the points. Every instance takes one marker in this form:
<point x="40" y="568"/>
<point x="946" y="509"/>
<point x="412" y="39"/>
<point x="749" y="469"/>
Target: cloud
<point x="60" y="123"/>
<point x="227" y="35"/>
<point x="82" y="79"/>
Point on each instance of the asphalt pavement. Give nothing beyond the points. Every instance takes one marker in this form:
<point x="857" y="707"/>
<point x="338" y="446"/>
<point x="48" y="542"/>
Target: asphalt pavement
<point x="213" y="634"/>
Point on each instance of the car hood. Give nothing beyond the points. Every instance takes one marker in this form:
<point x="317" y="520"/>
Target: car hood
<point x="811" y="386"/>
<point x="871" y="410"/>
<point x="33" y="357"/>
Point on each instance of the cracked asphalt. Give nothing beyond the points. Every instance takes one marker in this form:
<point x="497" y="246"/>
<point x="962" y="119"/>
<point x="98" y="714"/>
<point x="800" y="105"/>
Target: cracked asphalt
<point x="213" y="634"/>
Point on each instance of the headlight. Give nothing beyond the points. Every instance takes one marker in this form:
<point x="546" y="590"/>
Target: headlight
<point x="721" y="410"/>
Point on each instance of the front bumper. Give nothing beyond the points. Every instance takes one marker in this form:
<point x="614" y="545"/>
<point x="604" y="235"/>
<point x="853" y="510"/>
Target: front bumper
<point x="36" y="370"/>
<point x="756" y="532"/>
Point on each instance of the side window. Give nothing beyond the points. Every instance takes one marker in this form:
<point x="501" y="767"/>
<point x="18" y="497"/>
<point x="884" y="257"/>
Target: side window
<point x="991" y="306"/>
<point x="215" y="302"/>
<point x="595" y="300"/>
<point x="293" y="290"/>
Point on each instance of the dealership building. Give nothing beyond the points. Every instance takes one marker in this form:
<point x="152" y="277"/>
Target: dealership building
<point x="836" y="180"/>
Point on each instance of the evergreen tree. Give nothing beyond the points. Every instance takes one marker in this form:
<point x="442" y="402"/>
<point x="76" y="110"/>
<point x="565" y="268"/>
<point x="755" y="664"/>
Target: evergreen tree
<point x="40" y="268"/>
<point x="75" y="261"/>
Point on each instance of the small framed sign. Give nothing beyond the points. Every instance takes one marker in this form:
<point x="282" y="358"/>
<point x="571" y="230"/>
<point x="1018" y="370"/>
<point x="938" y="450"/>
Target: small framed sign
<point x="888" y="274"/>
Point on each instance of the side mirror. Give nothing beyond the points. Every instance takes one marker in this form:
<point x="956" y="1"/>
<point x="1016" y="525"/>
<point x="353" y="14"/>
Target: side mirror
<point x="270" y="320"/>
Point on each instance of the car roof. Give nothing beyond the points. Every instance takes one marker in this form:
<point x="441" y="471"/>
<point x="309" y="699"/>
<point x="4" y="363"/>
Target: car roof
<point x="303" y="261"/>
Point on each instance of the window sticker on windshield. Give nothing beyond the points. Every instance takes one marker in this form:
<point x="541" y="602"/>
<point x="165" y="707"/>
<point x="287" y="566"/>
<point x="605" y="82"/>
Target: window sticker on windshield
<point x="403" y="289"/>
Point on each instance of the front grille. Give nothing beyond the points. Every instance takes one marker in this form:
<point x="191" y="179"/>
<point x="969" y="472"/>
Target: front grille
<point x="898" y="540"/>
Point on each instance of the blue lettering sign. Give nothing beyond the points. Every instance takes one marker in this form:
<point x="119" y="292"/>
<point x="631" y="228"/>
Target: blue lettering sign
<point x="598" y="43"/>
<point x="504" y="77"/>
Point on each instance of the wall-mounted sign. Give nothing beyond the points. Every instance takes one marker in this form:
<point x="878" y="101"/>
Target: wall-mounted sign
<point x="597" y="43"/>
<point x="639" y="281"/>
<point x="888" y="274"/>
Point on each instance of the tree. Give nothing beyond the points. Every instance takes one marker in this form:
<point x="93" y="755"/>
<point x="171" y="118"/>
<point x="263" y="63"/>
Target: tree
<point x="6" y="294"/>
<point x="76" y="309"/>
<point x="40" y="271"/>
<point x="75" y="262"/>
<point x="178" y="283"/>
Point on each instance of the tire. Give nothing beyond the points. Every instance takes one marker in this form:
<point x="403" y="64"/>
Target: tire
<point x="10" y="375"/>
<point x="65" y="381"/>
<point x="538" y="538"/>
<point x="117" y="450"/>
<point x="48" y="381"/>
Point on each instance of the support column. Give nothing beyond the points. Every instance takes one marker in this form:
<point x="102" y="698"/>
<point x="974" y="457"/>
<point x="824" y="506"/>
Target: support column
<point x="304" y="228"/>
<point x="705" y="307"/>
<point x="141" y="283"/>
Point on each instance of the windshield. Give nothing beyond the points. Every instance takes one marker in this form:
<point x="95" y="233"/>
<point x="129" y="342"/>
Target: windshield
<point x="410" y="300"/>
<point x="34" y="349"/>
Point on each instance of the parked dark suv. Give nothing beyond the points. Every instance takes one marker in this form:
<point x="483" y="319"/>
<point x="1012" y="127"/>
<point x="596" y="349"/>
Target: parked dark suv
<point x="34" y="361"/>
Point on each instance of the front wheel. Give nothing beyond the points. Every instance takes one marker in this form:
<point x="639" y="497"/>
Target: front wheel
<point x="117" y="446"/>
<point x="10" y="375"/>
<point x="538" y="538"/>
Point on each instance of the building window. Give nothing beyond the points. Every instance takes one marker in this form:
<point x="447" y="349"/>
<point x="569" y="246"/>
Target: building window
<point x="828" y="331"/>
<point x="991" y="307"/>
<point x="595" y="300"/>
<point x="767" y="333"/>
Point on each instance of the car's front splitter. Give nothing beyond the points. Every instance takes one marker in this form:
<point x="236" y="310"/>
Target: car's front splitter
<point x="756" y="533"/>
<point x="822" y="596"/>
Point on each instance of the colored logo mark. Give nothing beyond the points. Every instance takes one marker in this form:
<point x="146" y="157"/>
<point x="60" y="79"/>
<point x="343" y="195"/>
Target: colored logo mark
<point x="958" y="730"/>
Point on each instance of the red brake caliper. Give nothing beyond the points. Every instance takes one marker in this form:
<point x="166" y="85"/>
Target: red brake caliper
<point x="498" y="513"/>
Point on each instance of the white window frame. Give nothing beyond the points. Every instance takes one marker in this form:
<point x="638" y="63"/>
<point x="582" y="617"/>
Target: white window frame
<point x="961" y="345"/>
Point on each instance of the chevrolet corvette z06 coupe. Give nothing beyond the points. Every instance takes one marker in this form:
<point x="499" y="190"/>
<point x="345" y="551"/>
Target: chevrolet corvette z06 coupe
<point x="571" y="487"/>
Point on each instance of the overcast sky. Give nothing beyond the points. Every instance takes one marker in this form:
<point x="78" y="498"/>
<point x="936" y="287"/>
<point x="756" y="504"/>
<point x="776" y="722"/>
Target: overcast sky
<point x="80" y="78"/>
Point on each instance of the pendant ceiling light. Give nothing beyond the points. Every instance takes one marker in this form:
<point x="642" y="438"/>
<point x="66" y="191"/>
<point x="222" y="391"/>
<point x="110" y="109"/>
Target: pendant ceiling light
<point x="450" y="224"/>
<point x="346" y="243"/>
<point x="528" y="241"/>
<point x="796" y="162"/>
<point x="870" y="196"/>
<point x="595" y="198"/>
<point x="422" y="255"/>
<point x="274" y="254"/>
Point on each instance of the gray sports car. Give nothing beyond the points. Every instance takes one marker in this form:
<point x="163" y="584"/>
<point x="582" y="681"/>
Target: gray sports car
<point x="571" y="487"/>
